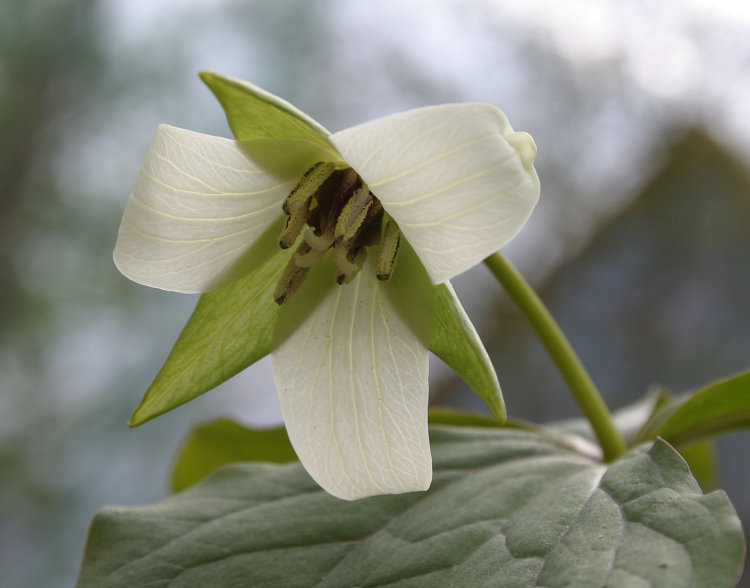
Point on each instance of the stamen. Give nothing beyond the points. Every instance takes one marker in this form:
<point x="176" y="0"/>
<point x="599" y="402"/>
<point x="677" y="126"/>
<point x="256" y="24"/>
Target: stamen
<point x="388" y="250"/>
<point x="310" y="181"/>
<point x="297" y="204"/>
<point x="348" y="263"/>
<point x="352" y="216"/>
<point x="294" y="225"/>
<point x="332" y="197"/>
<point x="369" y="232"/>
<point x="292" y="277"/>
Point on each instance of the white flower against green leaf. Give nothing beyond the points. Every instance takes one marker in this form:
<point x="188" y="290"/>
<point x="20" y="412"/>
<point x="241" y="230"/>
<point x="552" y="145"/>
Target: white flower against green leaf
<point x="333" y="252"/>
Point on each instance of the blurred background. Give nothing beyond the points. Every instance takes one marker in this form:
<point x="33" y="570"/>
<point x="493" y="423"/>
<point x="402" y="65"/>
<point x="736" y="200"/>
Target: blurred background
<point x="639" y="244"/>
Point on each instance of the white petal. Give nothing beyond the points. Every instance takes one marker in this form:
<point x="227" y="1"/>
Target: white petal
<point x="352" y="383"/>
<point x="457" y="179"/>
<point x="198" y="205"/>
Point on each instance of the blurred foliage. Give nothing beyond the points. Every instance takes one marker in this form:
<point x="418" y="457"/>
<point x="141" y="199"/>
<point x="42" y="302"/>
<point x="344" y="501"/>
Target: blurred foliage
<point x="41" y="76"/>
<point x="222" y="441"/>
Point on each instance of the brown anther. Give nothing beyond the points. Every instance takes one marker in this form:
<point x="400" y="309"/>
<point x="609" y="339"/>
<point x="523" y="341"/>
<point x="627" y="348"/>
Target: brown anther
<point x="292" y="277"/>
<point x="369" y="232"/>
<point x="310" y="181"/>
<point x="331" y="198"/>
<point x="388" y="250"/>
<point x="294" y="225"/>
<point x="297" y="204"/>
<point x="353" y="215"/>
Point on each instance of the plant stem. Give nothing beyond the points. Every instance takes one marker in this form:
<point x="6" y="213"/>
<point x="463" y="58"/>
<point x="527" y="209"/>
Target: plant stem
<point x="565" y="358"/>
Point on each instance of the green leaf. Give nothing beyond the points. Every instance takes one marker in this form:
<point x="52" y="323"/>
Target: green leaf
<point x="229" y="329"/>
<point x="449" y="416"/>
<point x="222" y="441"/>
<point x="455" y="341"/>
<point x="701" y="458"/>
<point x="719" y="408"/>
<point x="506" y="508"/>
<point x="276" y="133"/>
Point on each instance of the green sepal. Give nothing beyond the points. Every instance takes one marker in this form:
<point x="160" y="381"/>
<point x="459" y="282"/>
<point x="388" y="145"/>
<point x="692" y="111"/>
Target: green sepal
<point x="212" y="445"/>
<point x="721" y="407"/>
<point x="253" y="113"/>
<point x="230" y="329"/>
<point x="277" y="135"/>
<point x="455" y="340"/>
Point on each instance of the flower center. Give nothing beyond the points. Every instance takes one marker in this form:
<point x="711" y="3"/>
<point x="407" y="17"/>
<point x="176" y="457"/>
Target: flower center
<point x="332" y="208"/>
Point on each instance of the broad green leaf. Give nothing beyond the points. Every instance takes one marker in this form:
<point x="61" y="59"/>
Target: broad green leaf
<point x="507" y="508"/>
<point x="455" y="340"/>
<point x="719" y="408"/>
<point x="449" y="416"/>
<point x="351" y="377"/>
<point x="254" y="114"/>
<point x="456" y="178"/>
<point x="229" y="329"/>
<point x="222" y="441"/>
<point x="198" y="206"/>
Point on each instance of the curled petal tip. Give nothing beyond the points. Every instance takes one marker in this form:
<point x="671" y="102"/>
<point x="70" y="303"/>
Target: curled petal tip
<point x="526" y="147"/>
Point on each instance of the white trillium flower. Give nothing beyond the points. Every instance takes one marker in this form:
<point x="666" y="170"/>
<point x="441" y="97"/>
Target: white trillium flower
<point x="350" y="359"/>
